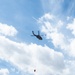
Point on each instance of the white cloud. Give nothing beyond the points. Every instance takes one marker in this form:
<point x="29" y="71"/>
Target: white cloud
<point x="71" y="27"/>
<point x="59" y="39"/>
<point x="7" y="30"/>
<point x="72" y="48"/>
<point x="45" y="18"/>
<point x="28" y="57"/>
<point x="4" y="71"/>
<point x="45" y="60"/>
<point x="53" y="31"/>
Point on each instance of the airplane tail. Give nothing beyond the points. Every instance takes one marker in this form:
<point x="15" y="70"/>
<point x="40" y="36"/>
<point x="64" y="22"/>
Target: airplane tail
<point x="33" y="33"/>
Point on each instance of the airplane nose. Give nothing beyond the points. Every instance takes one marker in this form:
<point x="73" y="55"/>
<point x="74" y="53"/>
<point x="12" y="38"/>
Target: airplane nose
<point x="41" y="38"/>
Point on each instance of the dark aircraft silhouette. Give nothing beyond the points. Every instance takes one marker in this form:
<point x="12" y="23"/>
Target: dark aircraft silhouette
<point x="37" y="36"/>
<point x="34" y="70"/>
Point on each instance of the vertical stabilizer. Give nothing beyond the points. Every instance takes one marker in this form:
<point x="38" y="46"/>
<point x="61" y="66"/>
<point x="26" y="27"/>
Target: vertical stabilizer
<point x="33" y="33"/>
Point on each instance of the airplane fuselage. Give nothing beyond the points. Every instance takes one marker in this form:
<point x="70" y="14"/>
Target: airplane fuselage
<point x="39" y="37"/>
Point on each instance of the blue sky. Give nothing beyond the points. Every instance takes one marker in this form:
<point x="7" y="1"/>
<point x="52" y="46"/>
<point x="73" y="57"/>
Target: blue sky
<point x="20" y="53"/>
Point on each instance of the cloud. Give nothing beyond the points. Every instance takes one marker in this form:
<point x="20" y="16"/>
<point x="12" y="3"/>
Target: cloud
<point x="71" y="26"/>
<point x="28" y="57"/>
<point x="72" y="48"/>
<point x="53" y="30"/>
<point x="62" y="42"/>
<point x="7" y="30"/>
<point x="4" y="71"/>
<point x="46" y="61"/>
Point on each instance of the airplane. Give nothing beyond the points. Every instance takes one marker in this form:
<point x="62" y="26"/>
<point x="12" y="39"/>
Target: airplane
<point x="37" y="36"/>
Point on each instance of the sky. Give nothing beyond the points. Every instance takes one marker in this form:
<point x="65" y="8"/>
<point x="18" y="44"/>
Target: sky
<point x="21" y="53"/>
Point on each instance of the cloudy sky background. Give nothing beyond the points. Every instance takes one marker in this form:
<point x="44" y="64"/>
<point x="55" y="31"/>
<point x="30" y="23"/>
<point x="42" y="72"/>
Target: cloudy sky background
<point x="20" y="53"/>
